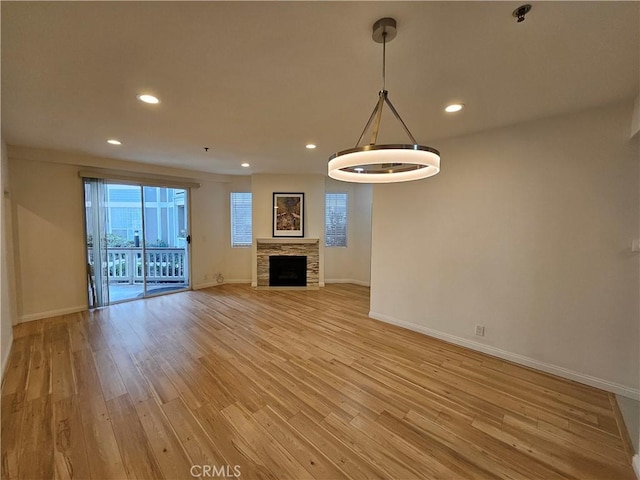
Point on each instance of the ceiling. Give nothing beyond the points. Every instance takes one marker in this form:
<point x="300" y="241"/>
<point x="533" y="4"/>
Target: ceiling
<point x="256" y="81"/>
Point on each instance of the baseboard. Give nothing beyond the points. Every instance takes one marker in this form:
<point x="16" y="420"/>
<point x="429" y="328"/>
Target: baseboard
<point x="5" y="359"/>
<point x="200" y="286"/>
<point x="347" y="280"/>
<point x="613" y="387"/>
<point x="636" y="465"/>
<point x="51" y="313"/>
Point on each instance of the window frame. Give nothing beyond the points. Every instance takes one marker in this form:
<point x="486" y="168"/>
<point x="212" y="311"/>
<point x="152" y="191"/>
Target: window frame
<point x="232" y="217"/>
<point x="345" y="195"/>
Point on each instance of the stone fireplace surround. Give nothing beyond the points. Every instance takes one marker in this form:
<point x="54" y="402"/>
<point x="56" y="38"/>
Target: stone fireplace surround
<point x="309" y="247"/>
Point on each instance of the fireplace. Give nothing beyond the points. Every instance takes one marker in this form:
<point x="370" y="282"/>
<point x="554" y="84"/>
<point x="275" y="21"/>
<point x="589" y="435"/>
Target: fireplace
<point x="305" y="250"/>
<point x="287" y="271"/>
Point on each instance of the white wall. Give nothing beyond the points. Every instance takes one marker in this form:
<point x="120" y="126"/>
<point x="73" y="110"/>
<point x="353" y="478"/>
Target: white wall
<point x="50" y="256"/>
<point x="527" y="230"/>
<point x="635" y="119"/>
<point x="630" y="410"/>
<point x="48" y="228"/>
<point x="352" y="263"/>
<point x="238" y="259"/>
<point x="7" y="309"/>
<point x="635" y="133"/>
<point x="263" y="187"/>
<point x="207" y="233"/>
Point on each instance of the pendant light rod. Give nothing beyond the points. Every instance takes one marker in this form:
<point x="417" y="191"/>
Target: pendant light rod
<point x="384" y="60"/>
<point x="366" y="127"/>
<point x="397" y="115"/>
<point x="388" y="163"/>
<point x="384" y="29"/>
<point x="377" y="114"/>
<point x="376" y="126"/>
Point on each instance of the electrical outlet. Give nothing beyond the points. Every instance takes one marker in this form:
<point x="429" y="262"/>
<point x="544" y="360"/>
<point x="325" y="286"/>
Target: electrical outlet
<point x="480" y="330"/>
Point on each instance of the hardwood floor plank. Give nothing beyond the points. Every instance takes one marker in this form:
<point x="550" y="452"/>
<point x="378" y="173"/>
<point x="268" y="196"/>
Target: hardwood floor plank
<point x="416" y="397"/>
<point x="564" y="460"/>
<point x="315" y="400"/>
<point x="110" y="380"/>
<point x="297" y="445"/>
<point x="334" y="448"/>
<point x="137" y="457"/>
<point x="102" y="449"/>
<point x="86" y="374"/>
<point x="273" y="454"/>
<point x="78" y="332"/>
<point x="456" y="459"/>
<point x="612" y="452"/>
<point x="167" y="448"/>
<point x="35" y="459"/>
<point x="63" y="382"/>
<point x="235" y="449"/>
<point x="394" y="464"/>
<point x="161" y="387"/>
<point x="134" y="382"/>
<point x="39" y="383"/>
<point x="564" y="452"/>
<point x="488" y="452"/>
<point x="187" y="388"/>
<point x="95" y="337"/>
<point x="356" y="392"/>
<point x="286" y="384"/>
<point x="196" y="441"/>
<point x="237" y="386"/>
<point x="11" y="433"/>
<point x="16" y="375"/>
<point x="70" y="455"/>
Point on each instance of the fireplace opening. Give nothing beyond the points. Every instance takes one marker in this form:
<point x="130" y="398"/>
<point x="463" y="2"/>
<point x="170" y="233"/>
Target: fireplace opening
<point x="287" y="271"/>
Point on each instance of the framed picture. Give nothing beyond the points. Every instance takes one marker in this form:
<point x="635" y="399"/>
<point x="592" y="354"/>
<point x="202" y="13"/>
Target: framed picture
<point x="288" y="214"/>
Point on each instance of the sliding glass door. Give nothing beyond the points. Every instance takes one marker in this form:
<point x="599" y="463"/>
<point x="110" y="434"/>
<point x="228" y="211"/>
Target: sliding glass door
<point x="137" y="241"/>
<point x="166" y="265"/>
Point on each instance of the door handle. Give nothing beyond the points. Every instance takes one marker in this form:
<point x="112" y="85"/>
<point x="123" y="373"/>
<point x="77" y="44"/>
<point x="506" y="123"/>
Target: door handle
<point x="188" y="238"/>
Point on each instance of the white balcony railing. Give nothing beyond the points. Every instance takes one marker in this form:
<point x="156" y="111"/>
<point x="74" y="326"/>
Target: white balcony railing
<point x="161" y="265"/>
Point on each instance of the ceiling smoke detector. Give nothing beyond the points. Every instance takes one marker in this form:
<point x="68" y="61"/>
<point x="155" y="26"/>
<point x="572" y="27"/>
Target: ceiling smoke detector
<point x="521" y="11"/>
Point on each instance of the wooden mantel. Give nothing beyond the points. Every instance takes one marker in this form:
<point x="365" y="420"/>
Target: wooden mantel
<point x="287" y="240"/>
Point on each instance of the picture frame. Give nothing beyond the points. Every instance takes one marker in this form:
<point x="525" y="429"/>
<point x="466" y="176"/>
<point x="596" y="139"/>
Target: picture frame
<point x="288" y="214"/>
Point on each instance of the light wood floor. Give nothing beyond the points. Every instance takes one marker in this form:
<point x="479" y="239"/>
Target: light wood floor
<point x="286" y="384"/>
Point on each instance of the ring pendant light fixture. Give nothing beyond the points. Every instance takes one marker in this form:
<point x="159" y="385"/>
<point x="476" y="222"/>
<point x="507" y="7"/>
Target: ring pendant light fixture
<point x="388" y="163"/>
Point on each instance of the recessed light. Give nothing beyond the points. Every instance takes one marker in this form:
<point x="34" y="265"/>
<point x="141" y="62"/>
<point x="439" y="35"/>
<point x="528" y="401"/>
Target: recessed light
<point x="454" y="107"/>
<point x="148" y="98"/>
<point x="113" y="141"/>
<point x="310" y="146"/>
<point x="245" y="165"/>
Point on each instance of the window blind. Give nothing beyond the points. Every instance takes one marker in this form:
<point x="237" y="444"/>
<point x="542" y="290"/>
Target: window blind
<point x="335" y="234"/>
<point x="241" y="227"/>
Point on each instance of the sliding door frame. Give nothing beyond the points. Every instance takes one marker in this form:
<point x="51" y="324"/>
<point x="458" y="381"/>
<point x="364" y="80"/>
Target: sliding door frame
<point x="104" y="181"/>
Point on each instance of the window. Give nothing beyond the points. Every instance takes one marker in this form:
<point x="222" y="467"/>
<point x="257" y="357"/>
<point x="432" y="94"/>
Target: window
<point x="335" y="220"/>
<point x="241" y="231"/>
